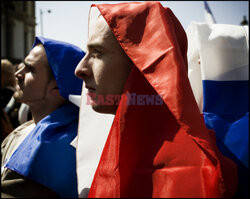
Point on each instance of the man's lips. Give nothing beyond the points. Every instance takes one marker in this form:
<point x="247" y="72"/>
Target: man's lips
<point x="90" y="89"/>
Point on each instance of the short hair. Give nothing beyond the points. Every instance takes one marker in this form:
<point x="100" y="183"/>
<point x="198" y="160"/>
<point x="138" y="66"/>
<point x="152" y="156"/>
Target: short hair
<point x="7" y="73"/>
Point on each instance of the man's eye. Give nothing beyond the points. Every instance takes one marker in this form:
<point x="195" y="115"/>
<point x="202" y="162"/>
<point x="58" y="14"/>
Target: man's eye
<point x="96" y="52"/>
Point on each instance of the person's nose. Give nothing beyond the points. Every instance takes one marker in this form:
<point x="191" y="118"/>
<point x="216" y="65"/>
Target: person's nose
<point x="83" y="69"/>
<point x="20" y="73"/>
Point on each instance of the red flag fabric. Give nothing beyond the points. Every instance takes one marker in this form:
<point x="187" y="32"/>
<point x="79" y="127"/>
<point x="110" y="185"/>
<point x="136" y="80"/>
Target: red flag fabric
<point x="160" y="149"/>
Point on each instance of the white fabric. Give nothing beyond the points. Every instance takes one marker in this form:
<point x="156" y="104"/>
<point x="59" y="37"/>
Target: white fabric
<point x="223" y="51"/>
<point x="75" y="99"/>
<point x="93" y="130"/>
<point x="74" y="142"/>
<point x="10" y="105"/>
<point x="23" y="113"/>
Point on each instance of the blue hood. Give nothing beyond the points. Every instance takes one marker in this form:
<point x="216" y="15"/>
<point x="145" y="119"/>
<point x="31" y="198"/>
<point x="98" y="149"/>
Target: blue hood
<point x="63" y="59"/>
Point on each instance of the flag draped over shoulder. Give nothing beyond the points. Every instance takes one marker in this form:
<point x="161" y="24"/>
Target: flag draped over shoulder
<point x="219" y="75"/>
<point x="158" y="150"/>
<point x="46" y="155"/>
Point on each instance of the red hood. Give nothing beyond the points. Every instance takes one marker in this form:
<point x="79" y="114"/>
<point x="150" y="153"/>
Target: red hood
<point x="158" y="150"/>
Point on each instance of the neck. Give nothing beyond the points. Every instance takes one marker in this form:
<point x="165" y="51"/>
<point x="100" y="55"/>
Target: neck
<point x="39" y="112"/>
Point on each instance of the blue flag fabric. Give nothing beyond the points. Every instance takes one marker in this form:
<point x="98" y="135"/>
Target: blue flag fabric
<point x="208" y="14"/>
<point x="46" y="155"/>
<point x="207" y="8"/>
<point x="63" y="59"/>
<point x="226" y="111"/>
<point x="218" y="72"/>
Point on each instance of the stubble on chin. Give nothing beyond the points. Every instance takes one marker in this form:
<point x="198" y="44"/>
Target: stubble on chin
<point x="105" y="109"/>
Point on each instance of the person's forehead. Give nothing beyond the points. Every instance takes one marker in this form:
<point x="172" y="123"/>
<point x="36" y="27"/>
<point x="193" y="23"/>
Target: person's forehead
<point x="38" y="53"/>
<point x="98" y="30"/>
<point x="95" y="19"/>
<point x="37" y="56"/>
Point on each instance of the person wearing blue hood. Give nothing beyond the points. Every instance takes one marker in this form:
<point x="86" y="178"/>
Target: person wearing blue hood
<point x="38" y="159"/>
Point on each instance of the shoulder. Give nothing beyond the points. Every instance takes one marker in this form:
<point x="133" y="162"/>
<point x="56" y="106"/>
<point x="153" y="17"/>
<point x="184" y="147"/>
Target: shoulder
<point x="16" y="185"/>
<point x="19" y="132"/>
<point x="12" y="141"/>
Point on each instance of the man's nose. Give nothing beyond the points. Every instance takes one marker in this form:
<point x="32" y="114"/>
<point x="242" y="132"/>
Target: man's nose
<point x="83" y="69"/>
<point x="19" y="74"/>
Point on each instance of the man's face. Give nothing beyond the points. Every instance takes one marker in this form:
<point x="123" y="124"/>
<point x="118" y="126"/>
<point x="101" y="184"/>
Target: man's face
<point x="33" y="77"/>
<point x="105" y="67"/>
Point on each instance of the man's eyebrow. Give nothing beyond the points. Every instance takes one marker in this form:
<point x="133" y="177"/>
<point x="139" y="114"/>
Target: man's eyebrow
<point x="94" y="45"/>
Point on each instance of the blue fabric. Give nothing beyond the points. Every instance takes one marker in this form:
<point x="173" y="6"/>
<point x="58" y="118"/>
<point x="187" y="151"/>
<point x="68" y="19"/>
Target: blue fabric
<point x="231" y="134"/>
<point x="46" y="155"/>
<point x="226" y="111"/>
<point x="226" y="97"/>
<point x="63" y="59"/>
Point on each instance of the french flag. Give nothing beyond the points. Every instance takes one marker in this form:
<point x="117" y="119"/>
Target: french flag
<point x="93" y="130"/>
<point x="218" y="73"/>
<point x="209" y="17"/>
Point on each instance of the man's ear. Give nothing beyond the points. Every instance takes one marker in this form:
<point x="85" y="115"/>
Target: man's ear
<point x="55" y="91"/>
<point x="53" y="88"/>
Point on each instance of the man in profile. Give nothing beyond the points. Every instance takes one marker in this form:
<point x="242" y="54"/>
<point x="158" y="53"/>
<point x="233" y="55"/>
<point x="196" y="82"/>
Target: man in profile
<point x="154" y="149"/>
<point x="37" y="157"/>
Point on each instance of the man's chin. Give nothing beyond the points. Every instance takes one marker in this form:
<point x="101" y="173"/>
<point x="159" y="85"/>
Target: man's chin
<point x="105" y="109"/>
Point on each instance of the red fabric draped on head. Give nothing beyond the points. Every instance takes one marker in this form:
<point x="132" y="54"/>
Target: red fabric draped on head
<point x="159" y="149"/>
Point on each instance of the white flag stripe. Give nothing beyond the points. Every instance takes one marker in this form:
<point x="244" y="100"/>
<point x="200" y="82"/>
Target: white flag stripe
<point x="194" y="69"/>
<point x="75" y="99"/>
<point x="210" y="45"/>
<point x="223" y="52"/>
<point x="93" y="130"/>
